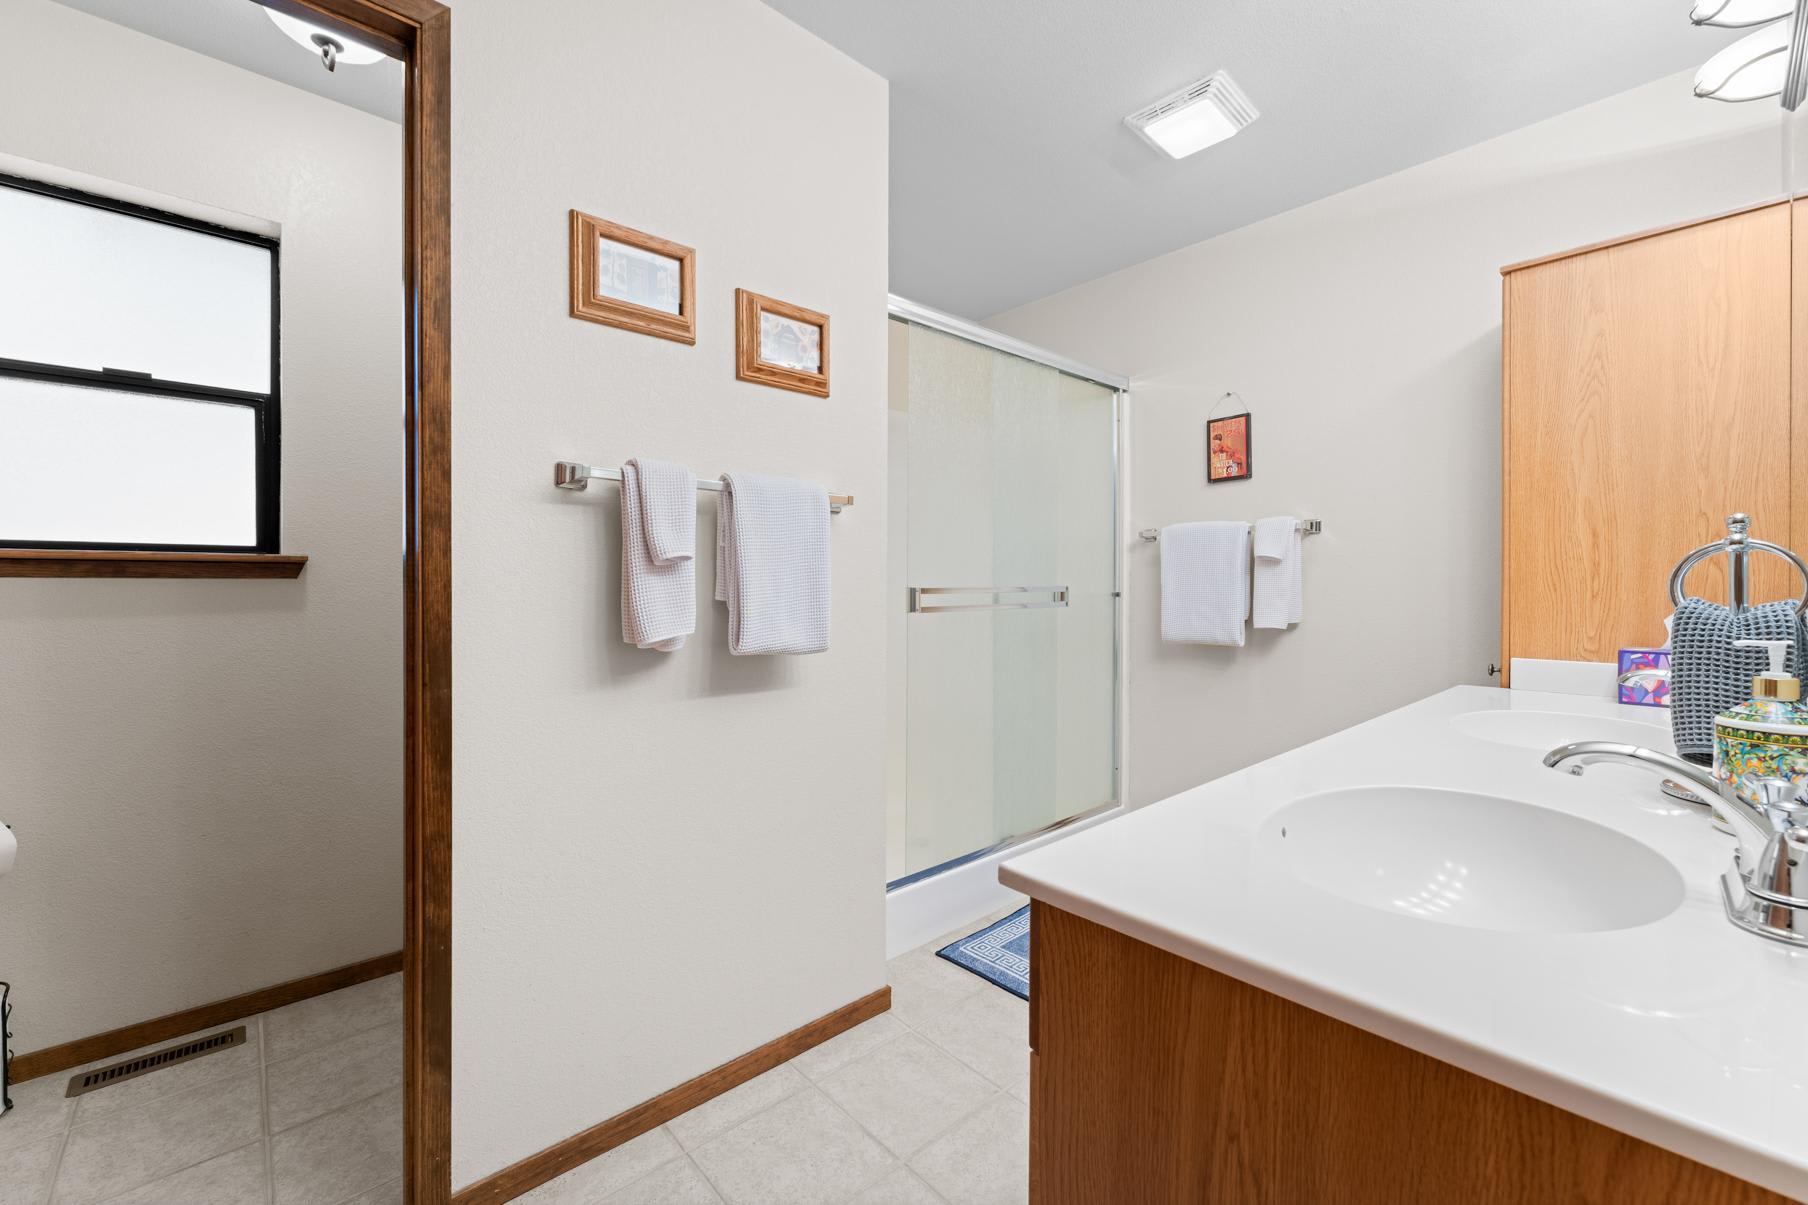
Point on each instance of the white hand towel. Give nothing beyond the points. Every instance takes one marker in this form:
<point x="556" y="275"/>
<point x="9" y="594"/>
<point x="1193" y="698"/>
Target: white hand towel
<point x="772" y="564"/>
<point x="1204" y="583"/>
<point x="1279" y="574"/>
<point x="659" y="554"/>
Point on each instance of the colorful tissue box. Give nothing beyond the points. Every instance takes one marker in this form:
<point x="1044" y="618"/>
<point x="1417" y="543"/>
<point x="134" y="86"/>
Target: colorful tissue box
<point x="1645" y="677"/>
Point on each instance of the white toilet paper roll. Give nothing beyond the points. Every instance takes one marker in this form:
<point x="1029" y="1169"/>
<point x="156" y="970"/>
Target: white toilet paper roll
<point x="9" y="849"/>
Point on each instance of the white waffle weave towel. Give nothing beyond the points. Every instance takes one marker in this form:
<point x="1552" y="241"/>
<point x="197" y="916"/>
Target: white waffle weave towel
<point x="772" y="564"/>
<point x="659" y="554"/>
<point x="1279" y="592"/>
<point x="1204" y="583"/>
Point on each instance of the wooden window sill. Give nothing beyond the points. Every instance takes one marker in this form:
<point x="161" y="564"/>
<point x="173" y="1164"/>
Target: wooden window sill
<point x="60" y="562"/>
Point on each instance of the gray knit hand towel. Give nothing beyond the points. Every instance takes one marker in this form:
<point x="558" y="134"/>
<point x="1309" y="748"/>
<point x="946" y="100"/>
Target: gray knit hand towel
<point x="1708" y="675"/>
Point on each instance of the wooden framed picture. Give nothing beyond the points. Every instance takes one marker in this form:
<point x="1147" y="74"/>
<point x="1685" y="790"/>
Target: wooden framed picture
<point x="631" y="279"/>
<point x="780" y="344"/>
<point x="1227" y="448"/>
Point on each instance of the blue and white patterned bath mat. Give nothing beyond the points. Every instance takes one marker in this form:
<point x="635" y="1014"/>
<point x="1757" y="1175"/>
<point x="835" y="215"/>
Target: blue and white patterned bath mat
<point x="1000" y="952"/>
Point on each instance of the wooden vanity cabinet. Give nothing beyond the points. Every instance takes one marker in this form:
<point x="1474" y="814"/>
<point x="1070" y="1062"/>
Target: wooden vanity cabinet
<point x="1157" y="1081"/>
<point x="1646" y="394"/>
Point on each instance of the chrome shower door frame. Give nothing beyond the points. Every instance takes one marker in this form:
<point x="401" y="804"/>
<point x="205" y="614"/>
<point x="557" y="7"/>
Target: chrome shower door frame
<point x="915" y="314"/>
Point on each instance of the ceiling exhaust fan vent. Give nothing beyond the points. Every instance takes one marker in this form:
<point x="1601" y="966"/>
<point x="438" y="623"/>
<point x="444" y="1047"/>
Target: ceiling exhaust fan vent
<point x="1195" y="117"/>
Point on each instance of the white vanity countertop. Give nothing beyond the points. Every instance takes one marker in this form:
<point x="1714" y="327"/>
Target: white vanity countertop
<point x="1685" y="1032"/>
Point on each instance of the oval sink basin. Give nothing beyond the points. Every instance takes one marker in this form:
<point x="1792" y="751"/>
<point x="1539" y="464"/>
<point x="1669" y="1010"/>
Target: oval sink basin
<point x="1479" y="861"/>
<point x="1545" y="730"/>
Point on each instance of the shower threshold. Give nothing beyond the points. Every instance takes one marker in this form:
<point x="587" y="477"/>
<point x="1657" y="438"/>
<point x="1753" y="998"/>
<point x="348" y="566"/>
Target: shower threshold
<point x="928" y="903"/>
<point x="918" y="876"/>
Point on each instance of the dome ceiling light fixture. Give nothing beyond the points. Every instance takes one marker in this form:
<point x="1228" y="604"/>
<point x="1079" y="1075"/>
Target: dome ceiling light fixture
<point x="332" y="47"/>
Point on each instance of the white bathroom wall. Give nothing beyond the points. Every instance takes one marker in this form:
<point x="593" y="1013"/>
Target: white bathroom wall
<point x="206" y="776"/>
<point x="661" y="861"/>
<point x="1363" y="331"/>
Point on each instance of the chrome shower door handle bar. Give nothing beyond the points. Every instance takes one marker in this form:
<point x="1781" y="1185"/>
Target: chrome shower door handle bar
<point x="1004" y="598"/>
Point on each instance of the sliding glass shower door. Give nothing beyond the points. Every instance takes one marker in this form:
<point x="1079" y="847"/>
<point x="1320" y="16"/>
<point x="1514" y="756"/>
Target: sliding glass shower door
<point x="1004" y="550"/>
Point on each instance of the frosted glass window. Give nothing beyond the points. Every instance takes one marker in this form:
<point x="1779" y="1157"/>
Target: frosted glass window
<point x="138" y="393"/>
<point x="87" y="287"/>
<point x="83" y="465"/>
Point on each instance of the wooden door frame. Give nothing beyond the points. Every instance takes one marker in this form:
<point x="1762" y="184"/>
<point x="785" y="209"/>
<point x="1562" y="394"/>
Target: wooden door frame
<point x="419" y="32"/>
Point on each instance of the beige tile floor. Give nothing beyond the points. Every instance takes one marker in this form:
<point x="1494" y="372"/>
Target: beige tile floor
<point x="924" y="1105"/>
<point x="307" y="1112"/>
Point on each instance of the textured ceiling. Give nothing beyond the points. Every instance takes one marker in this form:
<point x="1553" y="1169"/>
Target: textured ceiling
<point x="1013" y="176"/>
<point x="238" y="32"/>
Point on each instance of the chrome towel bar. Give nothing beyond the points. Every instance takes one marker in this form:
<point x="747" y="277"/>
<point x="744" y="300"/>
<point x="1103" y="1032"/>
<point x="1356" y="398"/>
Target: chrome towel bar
<point x="570" y="475"/>
<point x="1307" y="527"/>
<point x="1738" y="546"/>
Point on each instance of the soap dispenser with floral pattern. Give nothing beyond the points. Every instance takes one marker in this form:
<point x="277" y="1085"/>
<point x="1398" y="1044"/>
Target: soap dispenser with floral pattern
<point x="1766" y="736"/>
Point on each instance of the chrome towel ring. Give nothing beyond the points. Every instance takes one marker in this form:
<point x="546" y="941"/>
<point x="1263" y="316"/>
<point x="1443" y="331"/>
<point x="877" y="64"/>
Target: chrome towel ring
<point x="1738" y="546"/>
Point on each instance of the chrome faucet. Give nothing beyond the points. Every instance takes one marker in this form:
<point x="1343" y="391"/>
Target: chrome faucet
<point x="1769" y="817"/>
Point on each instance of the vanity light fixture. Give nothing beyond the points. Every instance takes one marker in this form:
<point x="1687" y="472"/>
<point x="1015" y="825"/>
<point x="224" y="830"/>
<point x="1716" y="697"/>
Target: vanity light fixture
<point x="1770" y="61"/>
<point x="1750" y="69"/>
<point x="332" y="47"/>
<point x="1195" y="117"/>
<point x="1740" y="14"/>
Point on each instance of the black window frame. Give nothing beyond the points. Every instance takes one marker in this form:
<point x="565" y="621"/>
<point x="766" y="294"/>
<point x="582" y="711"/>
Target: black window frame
<point x="266" y="407"/>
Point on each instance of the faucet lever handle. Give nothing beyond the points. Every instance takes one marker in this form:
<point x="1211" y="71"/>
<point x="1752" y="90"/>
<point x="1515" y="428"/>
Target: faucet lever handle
<point x="1768" y="790"/>
<point x="1784" y="801"/>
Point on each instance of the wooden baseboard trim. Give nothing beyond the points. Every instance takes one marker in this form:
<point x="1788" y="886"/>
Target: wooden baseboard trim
<point x="561" y="1157"/>
<point x="53" y="1059"/>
